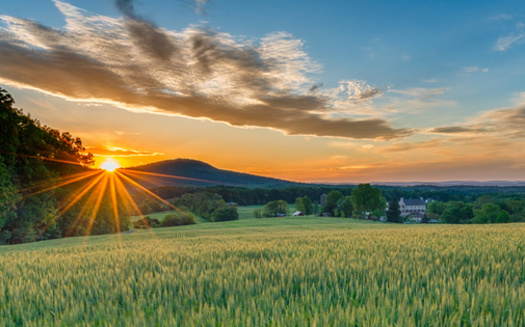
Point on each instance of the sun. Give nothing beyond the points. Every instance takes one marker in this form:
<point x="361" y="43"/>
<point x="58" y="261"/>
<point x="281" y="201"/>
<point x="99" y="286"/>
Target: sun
<point x="110" y="164"/>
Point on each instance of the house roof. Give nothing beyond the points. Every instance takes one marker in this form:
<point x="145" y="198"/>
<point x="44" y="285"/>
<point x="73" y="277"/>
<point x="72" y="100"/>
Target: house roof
<point x="414" y="202"/>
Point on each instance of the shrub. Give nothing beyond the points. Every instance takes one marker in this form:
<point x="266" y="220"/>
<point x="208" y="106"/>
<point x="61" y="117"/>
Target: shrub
<point x="257" y="213"/>
<point x="225" y="213"/>
<point x="146" y="222"/>
<point x="178" y="219"/>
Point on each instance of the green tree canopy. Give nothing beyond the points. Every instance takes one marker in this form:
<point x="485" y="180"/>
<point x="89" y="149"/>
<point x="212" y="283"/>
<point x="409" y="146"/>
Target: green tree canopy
<point x="275" y="208"/>
<point x="367" y="199"/>
<point x="436" y="207"/>
<point x="457" y="212"/>
<point x="345" y="205"/>
<point x="393" y="214"/>
<point x="304" y="204"/>
<point x="33" y="155"/>
<point x="490" y="213"/>
<point x="330" y="202"/>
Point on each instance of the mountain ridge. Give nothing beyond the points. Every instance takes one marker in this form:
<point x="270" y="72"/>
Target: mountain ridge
<point x="191" y="172"/>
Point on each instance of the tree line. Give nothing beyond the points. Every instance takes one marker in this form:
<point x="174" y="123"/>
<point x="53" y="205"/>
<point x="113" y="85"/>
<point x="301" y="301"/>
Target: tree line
<point x="487" y="208"/>
<point x="35" y="157"/>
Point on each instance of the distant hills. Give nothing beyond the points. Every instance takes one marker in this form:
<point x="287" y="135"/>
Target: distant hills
<point x="189" y="172"/>
<point x="455" y="183"/>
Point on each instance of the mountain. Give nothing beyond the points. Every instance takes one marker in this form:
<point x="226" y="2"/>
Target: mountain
<point x="189" y="172"/>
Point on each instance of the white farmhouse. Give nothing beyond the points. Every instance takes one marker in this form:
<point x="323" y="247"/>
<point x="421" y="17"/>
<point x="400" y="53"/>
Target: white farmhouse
<point x="412" y="207"/>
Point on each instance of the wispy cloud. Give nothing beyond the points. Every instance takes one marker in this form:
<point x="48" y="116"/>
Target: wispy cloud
<point x="506" y="42"/>
<point x="469" y="70"/>
<point x="197" y="72"/>
<point x="507" y="123"/>
<point x="501" y="17"/>
<point x="113" y="151"/>
<point x="417" y="99"/>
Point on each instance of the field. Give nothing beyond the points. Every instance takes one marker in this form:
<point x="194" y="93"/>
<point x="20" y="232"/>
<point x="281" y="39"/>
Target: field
<point x="245" y="212"/>
<point x="271" y="272"/>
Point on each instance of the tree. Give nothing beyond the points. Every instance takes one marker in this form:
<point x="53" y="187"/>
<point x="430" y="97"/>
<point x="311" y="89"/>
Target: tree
<point x="330" y="203"/>
<point x="367" y="199"/>
<point x="436" y="207"/>
<point x="275" y="208"/>
<point x="503" y="217"/>
<point x="345" y="205"/>
<point x="257" y="213"/>
<point x="308" y="206"/>
<point x="490" y="213"/>
<point x="299" y="205"/>
<point x="24" y="147"/>
<point x="177" y="219"/>
<point x="225" y="213"/>
<point x="457" y="212"/>
<point x="316" y="208"/>
<point x="393" y="214"/>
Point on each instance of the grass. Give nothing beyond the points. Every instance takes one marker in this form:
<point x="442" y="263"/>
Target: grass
<point x="245" y="212"/>
<point x="271" y="272"/>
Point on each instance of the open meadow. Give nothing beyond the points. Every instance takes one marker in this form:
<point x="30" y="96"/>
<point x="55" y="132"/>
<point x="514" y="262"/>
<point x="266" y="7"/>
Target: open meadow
<point x="271" y="272"/>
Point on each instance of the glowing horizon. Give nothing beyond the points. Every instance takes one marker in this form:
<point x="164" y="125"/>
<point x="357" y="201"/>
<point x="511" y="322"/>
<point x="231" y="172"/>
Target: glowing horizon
<point x="365" y="95"/>
<point x="110" y="165"/>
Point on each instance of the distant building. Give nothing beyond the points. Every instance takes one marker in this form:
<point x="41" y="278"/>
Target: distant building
<point x="412" y="207"/>
<point x="322" y="199"/>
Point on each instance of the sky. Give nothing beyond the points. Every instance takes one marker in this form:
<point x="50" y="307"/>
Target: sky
<point x="310" y="91"/>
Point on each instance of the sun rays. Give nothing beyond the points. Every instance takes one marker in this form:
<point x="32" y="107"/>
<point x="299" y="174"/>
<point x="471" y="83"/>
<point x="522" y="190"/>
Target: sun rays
<point x="87" y="191"/>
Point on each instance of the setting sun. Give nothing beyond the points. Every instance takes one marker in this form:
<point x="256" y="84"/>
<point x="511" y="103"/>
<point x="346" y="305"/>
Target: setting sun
<point x="110" y="164"/>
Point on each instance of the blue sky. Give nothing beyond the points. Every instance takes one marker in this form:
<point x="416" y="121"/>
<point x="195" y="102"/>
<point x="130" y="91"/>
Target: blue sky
<point x="357" y="90"/>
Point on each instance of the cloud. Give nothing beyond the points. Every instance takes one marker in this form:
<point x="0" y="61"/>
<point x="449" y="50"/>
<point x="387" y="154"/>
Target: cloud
<point x="200" y="6"/>
<point x="405" y="146"/>
<point x="315" y="87"/>
<point x="197" y="72"/>
<point x="359" y="90"/>
<point x="501" y="17"/>
<point x="417" y="99"/>
<point x="454" y="130"/>
<point x="421" y="93"/>
<point x="113" y="151"/>
<point x="506" y="42"/>
<point x="469" y="70"/>
<point x="126" y="133"/>
<point x="507" y="123"/>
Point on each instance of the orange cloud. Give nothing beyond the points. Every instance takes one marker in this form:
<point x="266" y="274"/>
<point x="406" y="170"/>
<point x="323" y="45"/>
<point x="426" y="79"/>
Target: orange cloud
<point x="101" y="151"/>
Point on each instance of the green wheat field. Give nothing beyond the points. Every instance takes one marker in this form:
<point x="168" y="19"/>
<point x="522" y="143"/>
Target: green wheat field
<point x="271" y="272"/>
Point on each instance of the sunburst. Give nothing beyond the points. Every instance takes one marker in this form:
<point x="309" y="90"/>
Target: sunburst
<point x="94" y="184"/>
<point x="110" y="165"/>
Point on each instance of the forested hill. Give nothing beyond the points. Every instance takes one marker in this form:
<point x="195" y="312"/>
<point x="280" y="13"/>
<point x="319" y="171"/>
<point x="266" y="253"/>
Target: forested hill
<point x="198" y="173"/>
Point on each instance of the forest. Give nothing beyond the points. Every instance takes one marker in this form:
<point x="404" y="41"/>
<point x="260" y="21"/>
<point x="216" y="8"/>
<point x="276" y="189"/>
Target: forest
<point x="34" y="161"/>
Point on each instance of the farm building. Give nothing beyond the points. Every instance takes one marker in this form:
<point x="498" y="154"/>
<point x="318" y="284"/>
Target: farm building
<point x="412" y="207"/>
